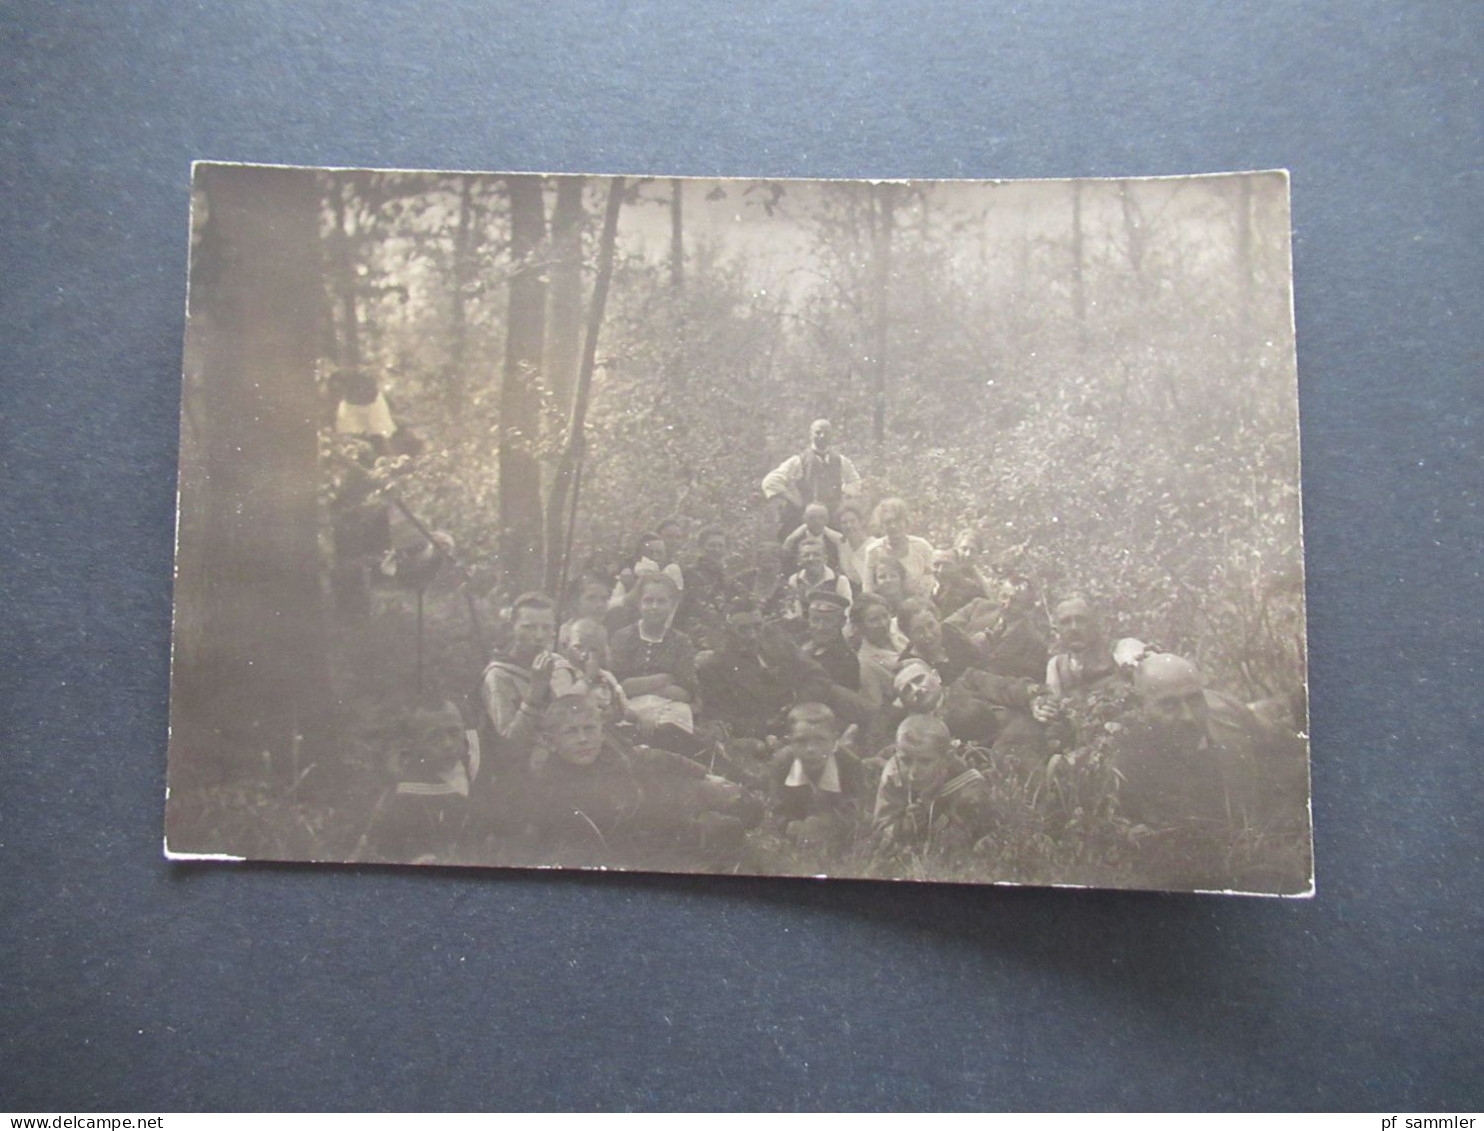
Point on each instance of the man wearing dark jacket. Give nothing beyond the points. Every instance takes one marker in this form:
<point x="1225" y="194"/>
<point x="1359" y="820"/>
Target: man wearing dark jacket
<point x="1223" y="794"/>
<point x="826" y="644"/>
<point x="598" y="802"/>
<point x="738" y="686"/>
<point x="945" y="647"/>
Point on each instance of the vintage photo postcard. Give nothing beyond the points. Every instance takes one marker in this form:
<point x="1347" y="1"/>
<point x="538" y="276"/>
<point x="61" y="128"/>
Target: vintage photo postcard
<point x="896" y="530"/>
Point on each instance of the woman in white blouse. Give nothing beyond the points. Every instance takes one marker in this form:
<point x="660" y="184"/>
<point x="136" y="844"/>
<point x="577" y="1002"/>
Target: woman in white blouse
<point x="852" y="549"/>
<point x="915" y="554"/>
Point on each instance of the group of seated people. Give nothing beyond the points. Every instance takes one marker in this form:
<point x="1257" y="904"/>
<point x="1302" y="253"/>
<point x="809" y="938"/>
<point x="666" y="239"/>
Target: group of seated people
<point x="856" y="696"/>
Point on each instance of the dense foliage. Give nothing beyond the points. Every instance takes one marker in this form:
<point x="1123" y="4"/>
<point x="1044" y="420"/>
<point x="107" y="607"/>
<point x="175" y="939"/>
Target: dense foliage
<point x="1097" y="377"/>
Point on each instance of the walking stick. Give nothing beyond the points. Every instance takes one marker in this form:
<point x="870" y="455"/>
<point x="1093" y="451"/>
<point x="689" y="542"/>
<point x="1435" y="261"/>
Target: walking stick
<point x="463" y="575"/>
<point x="388" y="491"/>
<point x="567" y="541"/>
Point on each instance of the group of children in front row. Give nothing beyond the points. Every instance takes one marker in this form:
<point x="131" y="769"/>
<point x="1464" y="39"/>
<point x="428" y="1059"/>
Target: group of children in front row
<point x="847" y="716"/>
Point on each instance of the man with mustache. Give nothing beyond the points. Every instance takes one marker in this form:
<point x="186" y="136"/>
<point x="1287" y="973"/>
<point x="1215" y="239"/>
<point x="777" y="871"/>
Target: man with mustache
<point x="819" y="474"/>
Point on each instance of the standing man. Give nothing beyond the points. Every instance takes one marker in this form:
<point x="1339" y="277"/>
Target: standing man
<point x="819" y="474"/>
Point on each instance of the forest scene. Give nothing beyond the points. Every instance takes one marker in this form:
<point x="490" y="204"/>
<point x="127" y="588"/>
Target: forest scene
<point x="414" y="400"/>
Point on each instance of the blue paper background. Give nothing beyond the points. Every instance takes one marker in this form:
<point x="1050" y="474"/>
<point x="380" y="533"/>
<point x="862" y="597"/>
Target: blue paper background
<point x="127" y="983"/>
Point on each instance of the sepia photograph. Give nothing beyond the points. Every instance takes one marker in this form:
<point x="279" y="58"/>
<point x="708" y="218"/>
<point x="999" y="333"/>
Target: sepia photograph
<point x="894" y="530"/>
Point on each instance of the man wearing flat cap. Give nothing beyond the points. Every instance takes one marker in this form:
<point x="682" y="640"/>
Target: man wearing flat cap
<point x="826" y="645"/>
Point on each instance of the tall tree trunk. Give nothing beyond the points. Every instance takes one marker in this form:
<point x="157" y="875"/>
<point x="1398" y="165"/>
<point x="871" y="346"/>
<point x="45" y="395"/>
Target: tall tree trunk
<point x="1133" y="230"/>
<point x="1023" y="300"/>
<point x="677" y="235"/>
<point x="521" y="530"/>
<point x="1133" y="239"/>
<point x="564" y="484"/>
<point x="674" y="356"/>
<point x="251" y="673"/>
<point x="1079" y="265"/>
<point x="563" y="345"/>
<point x="464" y="237"/>
<point x="564" y="327"/>
<point x="345" y="280"/>
<point x="885" y="199"/>
<point x="1245" y="306"/>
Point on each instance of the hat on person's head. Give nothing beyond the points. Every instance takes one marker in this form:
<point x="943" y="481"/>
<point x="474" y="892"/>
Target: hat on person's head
<point x="826" y="595"/>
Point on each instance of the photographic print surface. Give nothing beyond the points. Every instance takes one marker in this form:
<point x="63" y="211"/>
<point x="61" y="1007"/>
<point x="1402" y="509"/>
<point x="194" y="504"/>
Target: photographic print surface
<point x="898" y="530"/>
